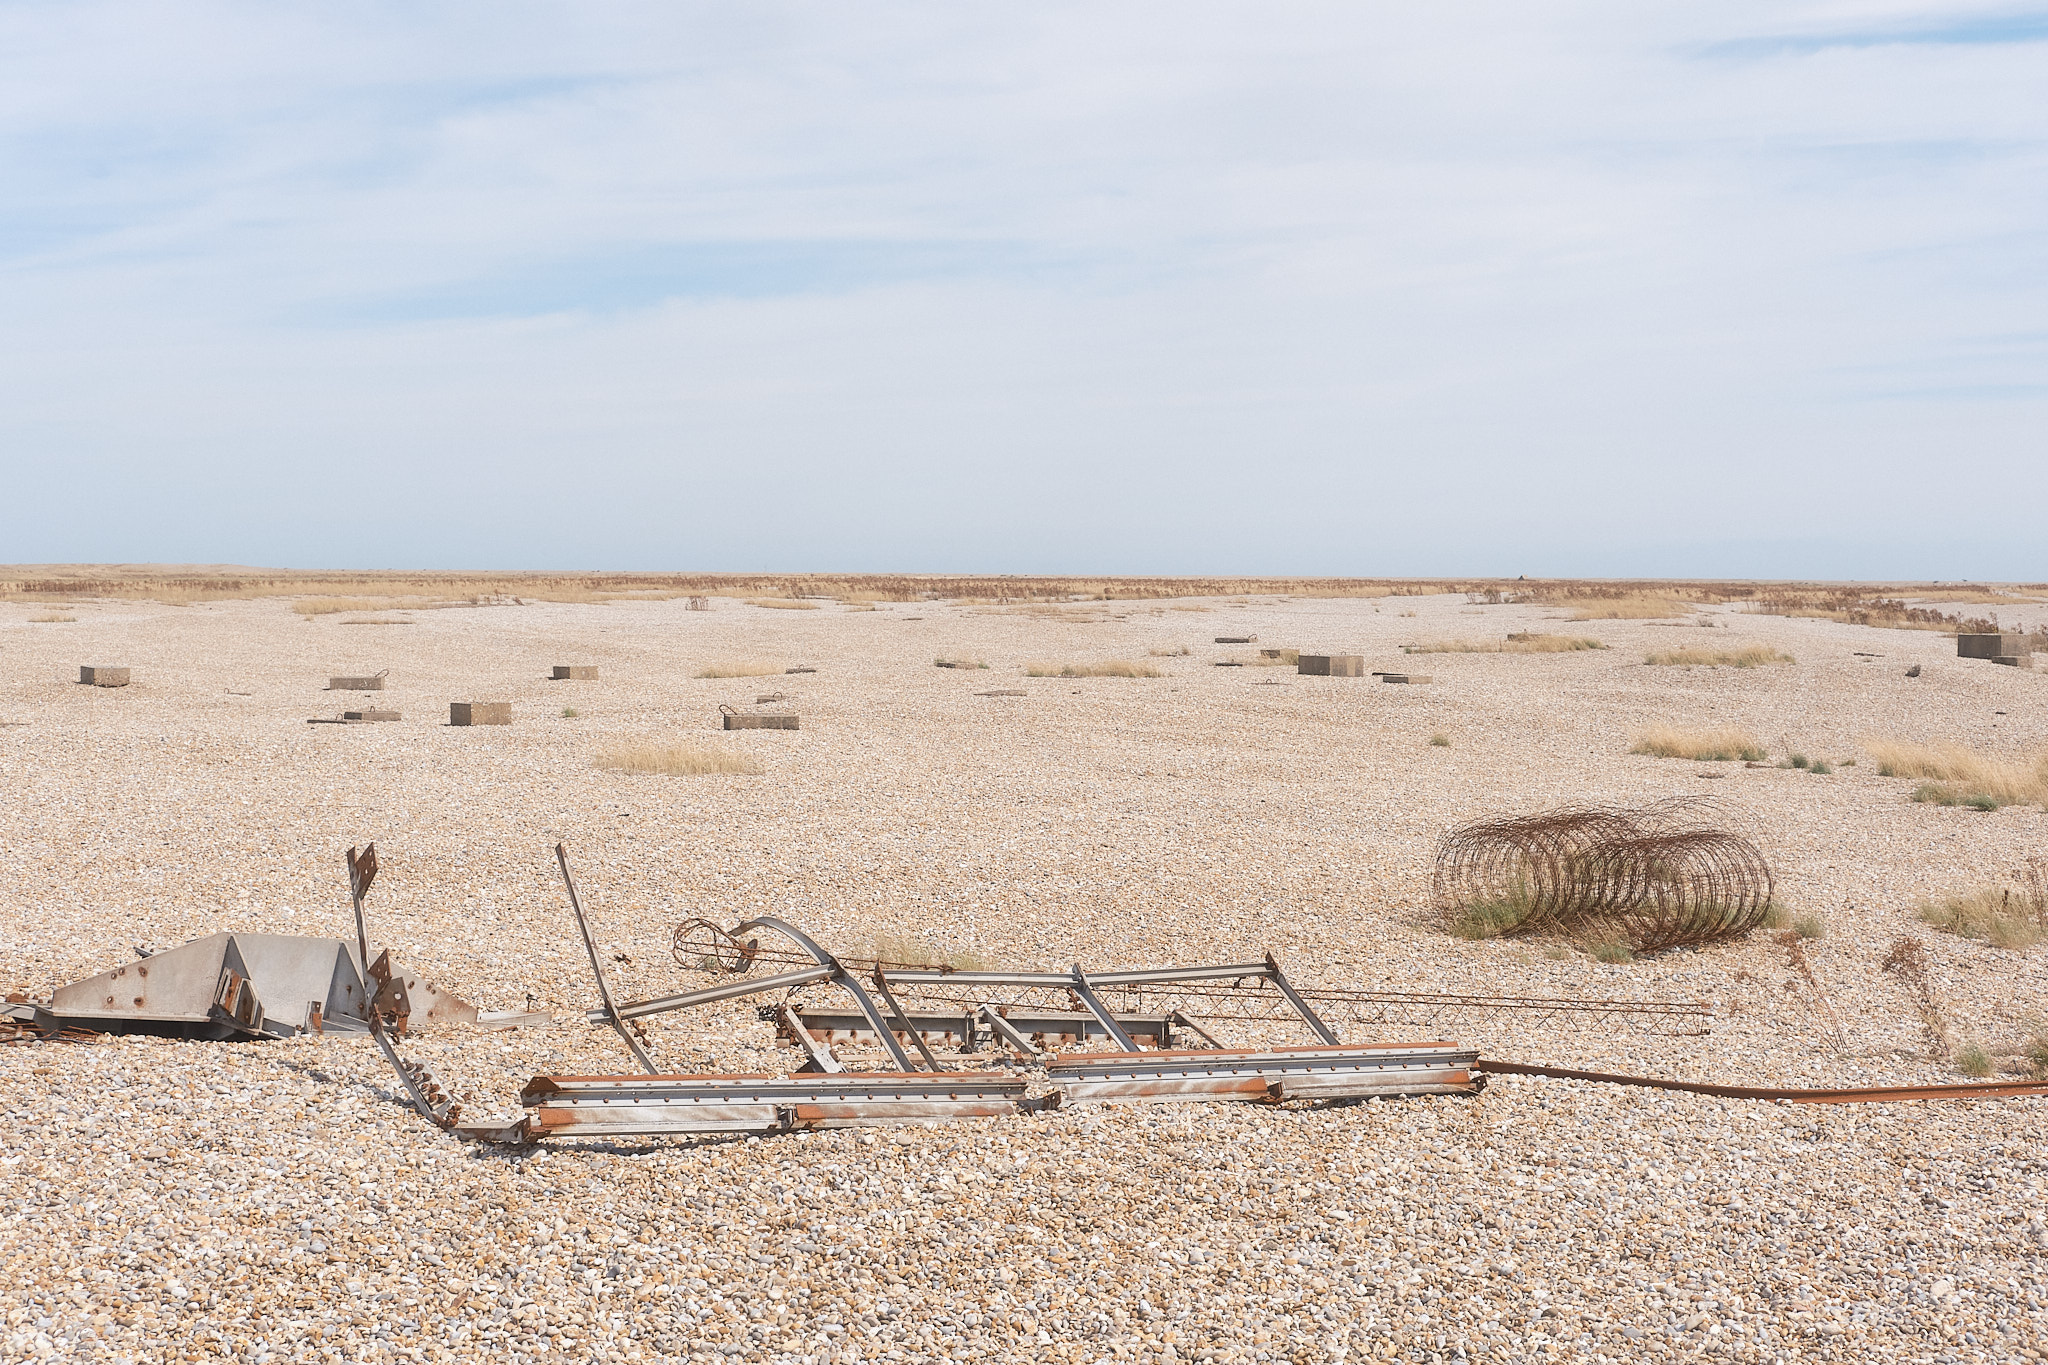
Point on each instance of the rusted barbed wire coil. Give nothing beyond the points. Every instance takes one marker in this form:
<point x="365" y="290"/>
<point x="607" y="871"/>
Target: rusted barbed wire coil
<point x="1652" y="877"/>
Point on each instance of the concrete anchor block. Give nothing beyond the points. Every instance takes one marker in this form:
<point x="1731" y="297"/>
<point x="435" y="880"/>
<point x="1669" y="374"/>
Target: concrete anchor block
<point x="1235" y="639"/>
<point x="1331" y="665"/>
<point x="575" y="672"/>
<point x="99" y="675"/>
<point x="479" y="713"/>
<point x="373" y="683"/>
<point x="370" y="715"/>
<point x="738" y="720"/>
<point x="1994" y="647"/>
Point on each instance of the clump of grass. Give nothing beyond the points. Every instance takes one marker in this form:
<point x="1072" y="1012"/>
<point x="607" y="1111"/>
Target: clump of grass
<point x="377" y="621"/>
<point x="740" y="668"/>
<point x="782" y="603"/>
<point x="2036" y="1051"/>
<point x="1557" y="952"/>
<point x="1522" y="642"/>
<point x="1611" y="950"/>
<point x="1821" y="768"/>
<point x="1945" y="794"/>
<point x="1490" y="919"/>
<point x="1174" y="652"/>
<point x="570" y="713"/>
<point x="1107" y="668"/>
<point x="1973" y="1061"/>
<point x="1997" y="917"/>
<point x="50" y="620"/>
<point x="1961" y="776"/>
<point x="1627" y="609"/>
<point x="943" y="662"/>
<point x="912" y="950"/>
<point x="1721" y="744"/>
<point x="1276" y="658"/>
<point x="1777" y="915"/>
<point x="1440" y="740"/>
<point x="1746" y="656"/>
<point x="1810" y="926"/>
<point x="676" y="760"/>
<point x="335" y="606"/>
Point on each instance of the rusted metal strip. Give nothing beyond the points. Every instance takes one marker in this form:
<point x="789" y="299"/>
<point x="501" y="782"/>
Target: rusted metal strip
<point x="1973" y="1090"/>
<point x="604" y="990"/>
<point x="426" y="1092"/>
<point x="1308" y="1016"/>
<point x="1087" y="996"/>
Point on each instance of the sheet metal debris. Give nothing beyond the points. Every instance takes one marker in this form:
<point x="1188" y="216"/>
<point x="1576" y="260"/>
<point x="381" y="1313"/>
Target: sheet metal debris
<point x="619" y="1106"/>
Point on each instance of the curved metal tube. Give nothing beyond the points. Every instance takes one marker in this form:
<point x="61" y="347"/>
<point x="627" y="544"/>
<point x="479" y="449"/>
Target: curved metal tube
<point x="840" y="977"/>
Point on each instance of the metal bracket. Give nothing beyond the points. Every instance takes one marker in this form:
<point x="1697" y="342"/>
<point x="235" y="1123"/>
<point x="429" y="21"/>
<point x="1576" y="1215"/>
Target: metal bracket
<point x="604" y="990"/>
<point x="1089" y="998"/>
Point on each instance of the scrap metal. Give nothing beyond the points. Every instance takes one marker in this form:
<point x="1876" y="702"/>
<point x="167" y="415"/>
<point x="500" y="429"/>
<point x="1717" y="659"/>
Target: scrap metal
<point x="620" y="1106"/>
<point x="1271" y="1075"/>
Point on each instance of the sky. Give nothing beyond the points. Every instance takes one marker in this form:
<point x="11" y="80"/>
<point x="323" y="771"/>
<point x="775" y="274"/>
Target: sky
<point x="1602" y="289"/>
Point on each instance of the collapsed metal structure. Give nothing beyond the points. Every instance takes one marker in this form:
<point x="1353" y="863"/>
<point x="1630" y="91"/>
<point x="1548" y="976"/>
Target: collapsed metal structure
<point x="1654" y="877"/>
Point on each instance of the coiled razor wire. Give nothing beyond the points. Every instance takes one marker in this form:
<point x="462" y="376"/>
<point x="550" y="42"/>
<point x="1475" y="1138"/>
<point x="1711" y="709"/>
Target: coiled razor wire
<point x="1651" y="877"/>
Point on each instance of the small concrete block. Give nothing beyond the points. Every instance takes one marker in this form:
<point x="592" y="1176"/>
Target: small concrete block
<point x="99" y="675"/>
<point x="1331" y="665"/>
<point x="1406" y="677"/>
<point x="576" y="672"/>
<point x="1991" y="646"/>
<point x="370" y="715"/>
<point x="734" y="720"/>
<point x="1235" y="639"/>
<point x="373" y="684"/>
<point x="2015" y="660"/>
<point x="479" y="713"/>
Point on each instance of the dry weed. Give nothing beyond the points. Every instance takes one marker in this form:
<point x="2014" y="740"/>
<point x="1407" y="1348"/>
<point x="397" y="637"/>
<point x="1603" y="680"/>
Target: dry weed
<point x="1908" y="961"/>
<point x="1823" y="1008"/>
<point x="378" y="621"/>
<point x="1746" y="656"/>
<point x="676" y="760"/>
<point x="782" y="603"/>
<point x="1961" y="776"/>
<point x="1107" y="668"/>
<point x="2006" y="917"/>
<point x="897" y="950"/>
<point x="740" y="668"/>
<point x="1721" y="744"/>
<point x="335" y="606"/>
<point x="959" y="663"/>
<point x="1626" y="609"/>
<point x="1522" y="642"/>
<point x="49" y="620"/>
<point x="1169" y="652"/>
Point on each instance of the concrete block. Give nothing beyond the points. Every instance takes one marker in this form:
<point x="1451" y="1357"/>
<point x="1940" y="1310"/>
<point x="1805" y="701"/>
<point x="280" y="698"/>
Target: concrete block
<point x="479" y="713"/>
<point x="576" y="672"/>
<point x="1235" y="639"/>
<point x="1991" y="646"/>
<point x="2015" y="660"/>
<point x="99" y="675"/>
<point x="1406" y="677"/>
<point x="370" y="715"/>
<point x="374" y="683"/>
<point x="1331" y="665"/>
<point x="735" y="720"/>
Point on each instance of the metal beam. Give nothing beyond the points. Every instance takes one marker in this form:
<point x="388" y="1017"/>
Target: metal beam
<point x="886" y="1034"/>
<point x="639" y="1009"/>
<point x="1002" y="1028"/>
<point x="604" y="990"/>
<point x="916" y="1037"/>
<point x="1309" y="1016"/>
<point x="1088" y="997"/>
<point x="821" y="1056"/>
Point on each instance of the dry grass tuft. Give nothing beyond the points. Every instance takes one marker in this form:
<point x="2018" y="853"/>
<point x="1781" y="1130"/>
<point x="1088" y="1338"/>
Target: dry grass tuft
<point x="914" y="950"/>
<point x="1723" y="744"/>
<point x="1108" y="668"/>
<point x="335" y="606"/>
<point x="677" y="760"/>
<point x="378" y="621"/>
<point x="1747" y="656"/>
<point x="1960" y="776"/>
<point x="1627" y="609"/>
<point x="48" y="620"/>
<point x="1169" y="652"/>
<point x="2008" y="917"/>
<point x="959" y="663"/>
<point x="782" y="603"/>
<point x="1522" y="642"/>
<point x="740" y="668"/>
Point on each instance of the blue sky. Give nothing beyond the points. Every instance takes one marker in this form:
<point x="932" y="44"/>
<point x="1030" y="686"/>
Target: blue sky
<point x="1741" y="289"/>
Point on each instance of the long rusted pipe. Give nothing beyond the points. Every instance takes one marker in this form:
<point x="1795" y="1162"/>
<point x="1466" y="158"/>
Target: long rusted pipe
<point x="1976" y="1090"/>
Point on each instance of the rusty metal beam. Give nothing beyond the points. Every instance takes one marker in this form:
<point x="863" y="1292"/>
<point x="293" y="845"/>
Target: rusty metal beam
<point x="1001" y="1028"/>
<point x="1300" y="1072"/>
<point x="617" y="1106"/>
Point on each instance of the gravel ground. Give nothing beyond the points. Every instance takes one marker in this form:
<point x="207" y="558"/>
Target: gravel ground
<point x="165" y="1200"/>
